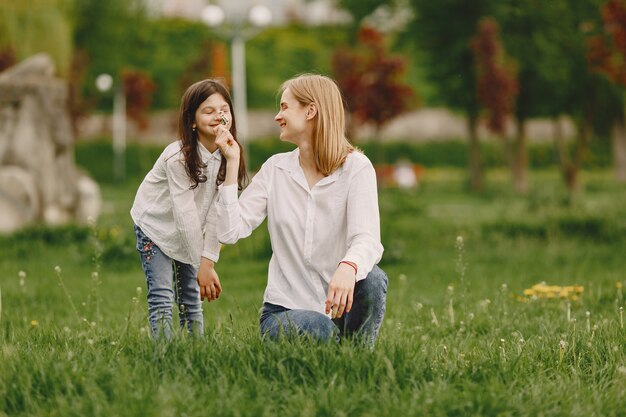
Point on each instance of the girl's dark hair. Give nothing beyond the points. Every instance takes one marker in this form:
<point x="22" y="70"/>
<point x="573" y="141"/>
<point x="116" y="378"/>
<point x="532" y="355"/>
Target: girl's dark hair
<point x="195" y="95"/>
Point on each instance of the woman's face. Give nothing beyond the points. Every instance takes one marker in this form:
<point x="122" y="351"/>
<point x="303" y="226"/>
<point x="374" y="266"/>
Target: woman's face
<point x="209" y="116"/>
<point x="292" y="119"/>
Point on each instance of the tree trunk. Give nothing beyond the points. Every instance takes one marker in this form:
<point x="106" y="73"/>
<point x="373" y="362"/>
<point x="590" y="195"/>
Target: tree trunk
<point x="619" y="149"/>
<point x="520" y="159"/>
<point x="565" y="163"/>
<point x="584" y="135"/>
<point x="475" y="168"/>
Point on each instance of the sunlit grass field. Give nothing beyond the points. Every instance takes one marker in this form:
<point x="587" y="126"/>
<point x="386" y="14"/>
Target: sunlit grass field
<point x="461" y="335"/>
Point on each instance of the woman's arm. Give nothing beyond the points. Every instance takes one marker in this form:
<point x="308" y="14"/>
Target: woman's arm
<point x="238" y="217"/>
<point x="364" y="247"/>
<point x="363" y="222"/>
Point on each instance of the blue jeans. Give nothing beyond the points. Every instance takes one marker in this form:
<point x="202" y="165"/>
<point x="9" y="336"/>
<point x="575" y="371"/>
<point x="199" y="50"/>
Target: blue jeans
<point x="362" y="323"/>
<point x="169" y="281"/>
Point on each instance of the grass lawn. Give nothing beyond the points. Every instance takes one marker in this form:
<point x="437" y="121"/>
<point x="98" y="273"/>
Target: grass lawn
<point x="460" y="336"/>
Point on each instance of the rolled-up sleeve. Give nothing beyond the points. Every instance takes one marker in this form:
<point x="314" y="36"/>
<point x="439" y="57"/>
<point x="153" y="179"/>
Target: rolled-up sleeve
<point x="363" y="222"/>
<point x="211" y="243"/>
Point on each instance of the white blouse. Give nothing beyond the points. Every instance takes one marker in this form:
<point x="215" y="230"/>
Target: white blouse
<point x="311" y="230"/>
<point x="179" y="220"/>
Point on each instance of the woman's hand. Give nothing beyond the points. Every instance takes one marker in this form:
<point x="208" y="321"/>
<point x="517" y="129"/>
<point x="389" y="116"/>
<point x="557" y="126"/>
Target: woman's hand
<point x="227" y="144"/>
<point x="341" y="291"/>
<point x="209" y="282"/>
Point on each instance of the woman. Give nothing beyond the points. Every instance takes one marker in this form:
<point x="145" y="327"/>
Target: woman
<point x="321" y="202"/>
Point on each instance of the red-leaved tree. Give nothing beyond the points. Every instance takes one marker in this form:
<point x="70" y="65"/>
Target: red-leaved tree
<point x="606" y="54"/>
<point x="497" y="84"/>
<point x="7" y="58"/>
<point x="371" y="81"/>
<point x="138" y="88"/>
<point x="497" y="88"/>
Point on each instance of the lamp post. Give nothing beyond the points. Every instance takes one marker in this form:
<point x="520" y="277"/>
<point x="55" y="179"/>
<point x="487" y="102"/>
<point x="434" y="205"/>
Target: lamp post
<point x="241" y="22"/>
<point x="104" y="82"/>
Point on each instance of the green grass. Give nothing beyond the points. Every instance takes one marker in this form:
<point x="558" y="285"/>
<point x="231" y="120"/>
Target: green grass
<point x="456" y="340"/>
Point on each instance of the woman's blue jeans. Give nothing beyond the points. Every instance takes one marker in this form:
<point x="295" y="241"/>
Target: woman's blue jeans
<point x="362" y="323"/>
<point x="169" y="281"/>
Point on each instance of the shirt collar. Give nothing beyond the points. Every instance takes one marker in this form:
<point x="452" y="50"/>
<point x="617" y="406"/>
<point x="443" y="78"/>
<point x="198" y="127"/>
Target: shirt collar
<point x="291" y="164"/>
<point x="204" y="152"/>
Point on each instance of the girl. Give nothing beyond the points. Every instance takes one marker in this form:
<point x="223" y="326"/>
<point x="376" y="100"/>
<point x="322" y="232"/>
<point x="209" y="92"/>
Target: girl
<point x="322" y="206"/>
<point x="174" y="211"/>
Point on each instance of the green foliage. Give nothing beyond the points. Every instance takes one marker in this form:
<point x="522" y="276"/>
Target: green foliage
<point x="279" y="54"/>
<point x="360" y="9"/>
<point x="117" y="35"/>
<point x="97" y="156"/>
<point x="443" y="31"/>
<point x="30" y="27"/>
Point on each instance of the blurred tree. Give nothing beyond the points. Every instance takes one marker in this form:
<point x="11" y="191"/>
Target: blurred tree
<point x="117" y="34"/>
<point x="607" y="55"/>
<point x="102" y="42"/>
<point x="138" y="88"/>
<point x="496" y="84"/>
<point x="549" y="45"/>
<point x="443" y="30"/>
<point x="360" y="9"/>
<point x="280" y="53"/>
<point x="535" y="36"/>
<point x="30" y="27"/>
<point x="370" y="79"/>
<point x="7" y="57"/>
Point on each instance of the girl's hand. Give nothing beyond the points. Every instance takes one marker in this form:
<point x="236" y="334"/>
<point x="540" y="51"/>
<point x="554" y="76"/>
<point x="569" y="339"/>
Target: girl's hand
<point x="227" y="144"/>
<point x="341" y="291"/>
<point x="209" y="282"/>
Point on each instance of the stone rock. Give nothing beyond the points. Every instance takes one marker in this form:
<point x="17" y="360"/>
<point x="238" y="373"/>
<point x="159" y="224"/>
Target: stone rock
<point x="54" y="215"/>
<point x="19" y="199"/>
<point x="39" y="65"/>
<point x="90" y="200"/>
<point x="39" y="181"/>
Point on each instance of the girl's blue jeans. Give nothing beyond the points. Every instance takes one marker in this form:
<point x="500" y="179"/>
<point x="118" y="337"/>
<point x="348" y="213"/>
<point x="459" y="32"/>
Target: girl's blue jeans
<point x="169" y="281"/>
<point x="362" y="323"/>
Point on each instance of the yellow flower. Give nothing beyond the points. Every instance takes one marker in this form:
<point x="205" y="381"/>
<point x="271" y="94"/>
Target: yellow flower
<point x="34" y="323"/>
<point x="618" y="285"/>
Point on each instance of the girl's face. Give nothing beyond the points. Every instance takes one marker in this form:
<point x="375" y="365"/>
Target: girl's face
<point x="209" y="116"/>
<point x="292" y="118"/>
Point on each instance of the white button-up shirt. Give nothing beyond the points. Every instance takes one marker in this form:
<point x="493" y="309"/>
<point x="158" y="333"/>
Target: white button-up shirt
<point x="179" y="220"/>
<point x="311" y="229"/>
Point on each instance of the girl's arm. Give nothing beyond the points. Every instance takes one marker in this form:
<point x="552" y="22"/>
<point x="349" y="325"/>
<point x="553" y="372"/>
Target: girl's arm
<point x="208" y="280"/>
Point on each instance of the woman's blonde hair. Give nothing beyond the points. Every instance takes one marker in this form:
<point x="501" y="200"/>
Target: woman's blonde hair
<point x="330" y="145"/>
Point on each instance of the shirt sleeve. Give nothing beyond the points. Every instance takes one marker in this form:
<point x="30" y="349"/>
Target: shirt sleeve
<point x="212" y="245"/>
<point x="363" y="222"/>
<point x="238" y="217"/>
<point x="186" y="216"/>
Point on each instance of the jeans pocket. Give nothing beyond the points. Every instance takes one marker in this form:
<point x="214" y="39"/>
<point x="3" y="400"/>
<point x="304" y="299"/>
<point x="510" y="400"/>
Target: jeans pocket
<point x="144" y="243"/>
